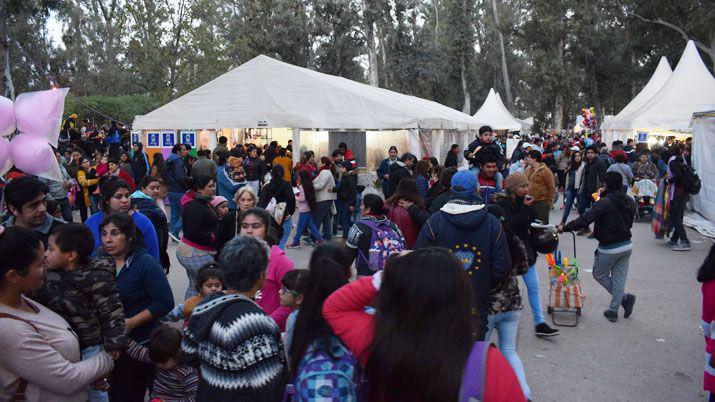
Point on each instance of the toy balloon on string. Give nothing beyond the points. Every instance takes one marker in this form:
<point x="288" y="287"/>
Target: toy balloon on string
<point x="39" y="114"/>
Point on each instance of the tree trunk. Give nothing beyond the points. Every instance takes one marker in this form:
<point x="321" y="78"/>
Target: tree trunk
<point x="504" y="69"/>
<point x="634" y="84"/>
<point x="373" y="75"/>
<point x="381" y="37"/>
<point x="559" y="97"/>
<point x="8" y="90"/>
<point x="465" y="90"/>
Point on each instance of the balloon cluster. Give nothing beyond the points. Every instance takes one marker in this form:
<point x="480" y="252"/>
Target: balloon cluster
<point x="37" y="116"/>
<point x="563" y="271"/>
<point x="589" y="119"/>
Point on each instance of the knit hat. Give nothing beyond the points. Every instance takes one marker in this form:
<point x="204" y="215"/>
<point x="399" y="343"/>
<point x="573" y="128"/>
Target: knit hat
<point x="514" y="181"/>
<point x="218" y="200"/>
<point x="464" y="182"/>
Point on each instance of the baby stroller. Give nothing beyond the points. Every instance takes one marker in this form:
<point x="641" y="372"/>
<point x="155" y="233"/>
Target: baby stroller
<point x="565" y="295"/>
<point x="644" y="191"/>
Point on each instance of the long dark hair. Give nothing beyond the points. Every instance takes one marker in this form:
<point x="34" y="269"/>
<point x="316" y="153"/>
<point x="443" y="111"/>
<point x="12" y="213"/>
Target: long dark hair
<point x="423" y="328"/>
<point x="273" y="186"/>
<point x="270" y="224"/>
<point x="308" y="190"/>
<point x="407" y="190"/>
<point x="329" y="165"/>
<point x="158" y="161"/>
<point x="125" y="224"/>
<point x="329" y="270"/>
<point x="108" y="186"/>
<point x="573" y="165"/>
<point x="706" y="272"/>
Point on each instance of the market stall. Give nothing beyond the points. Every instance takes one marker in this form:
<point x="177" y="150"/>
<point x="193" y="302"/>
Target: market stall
<point x="265" y="99"/>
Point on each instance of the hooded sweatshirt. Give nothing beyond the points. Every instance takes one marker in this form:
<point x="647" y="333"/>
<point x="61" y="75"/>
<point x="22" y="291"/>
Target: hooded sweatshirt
<point x="238" y="350"/>
<point x="464" y="226"/>
<point x="140" y="163"/>
<point x="175" y="174"/>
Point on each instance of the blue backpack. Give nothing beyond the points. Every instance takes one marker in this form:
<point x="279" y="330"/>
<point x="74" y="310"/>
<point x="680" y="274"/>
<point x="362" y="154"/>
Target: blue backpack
<point x="321" y="377"/>
<point x="383" y="243"/>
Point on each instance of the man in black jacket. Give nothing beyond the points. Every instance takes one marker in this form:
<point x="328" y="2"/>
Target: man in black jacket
<point x="451" y="159"/>
<point x="613" y="215"/>
<point x="401" y="169"/>
<point x="593" y="175"/>
<point x="679" y="240"/>
<point x="175" y="179"/>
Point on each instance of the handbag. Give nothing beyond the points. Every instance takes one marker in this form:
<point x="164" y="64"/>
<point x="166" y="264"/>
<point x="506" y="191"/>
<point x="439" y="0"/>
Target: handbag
<point x="276" y="209"/>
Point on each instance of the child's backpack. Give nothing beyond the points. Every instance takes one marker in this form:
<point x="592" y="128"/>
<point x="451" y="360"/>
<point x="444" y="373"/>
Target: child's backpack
<point x="474" y="376"/>
<point x="383" y="243"/>
<point x="324" y="376"/>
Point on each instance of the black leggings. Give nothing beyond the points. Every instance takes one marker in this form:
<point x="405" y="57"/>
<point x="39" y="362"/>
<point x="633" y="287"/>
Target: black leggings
<point x="130" y="380"/>
<point x="677" y="210"/>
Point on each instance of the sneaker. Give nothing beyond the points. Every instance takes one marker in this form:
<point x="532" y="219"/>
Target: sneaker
<point x="682" y="246"/>
<point x="611" y="315"/>
<point x="628" y="302"/>
<point x="292" y="245"/>
<point x="543" y="330"/>
<point x="671" y="243"/>
<point x="337" y="235"/>
<point x="174" y="237"/>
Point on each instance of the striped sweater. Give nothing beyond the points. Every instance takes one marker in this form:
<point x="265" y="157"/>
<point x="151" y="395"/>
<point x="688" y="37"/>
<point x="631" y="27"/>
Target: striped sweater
<point x="238" y="350"/>
<point x="708" y="324"/>
<point x="178" y="384"/>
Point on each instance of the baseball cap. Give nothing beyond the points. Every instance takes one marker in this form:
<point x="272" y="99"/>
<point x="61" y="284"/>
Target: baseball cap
<point x="464" y="182"/>
<point x="526" y="145"/>
<point x="575" y="148"/>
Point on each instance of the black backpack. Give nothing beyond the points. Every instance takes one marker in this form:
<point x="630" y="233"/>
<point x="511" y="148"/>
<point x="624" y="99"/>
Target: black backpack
<point x="691" y="180"/>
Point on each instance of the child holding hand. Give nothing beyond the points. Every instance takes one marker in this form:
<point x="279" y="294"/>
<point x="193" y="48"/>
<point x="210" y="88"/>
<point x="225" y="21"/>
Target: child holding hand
<point x="84" y="292"/>
<point x="209" y="280"/>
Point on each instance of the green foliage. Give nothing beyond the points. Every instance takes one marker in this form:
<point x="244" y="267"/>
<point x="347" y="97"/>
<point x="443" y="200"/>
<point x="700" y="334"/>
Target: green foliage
<point x="122" y="108"/>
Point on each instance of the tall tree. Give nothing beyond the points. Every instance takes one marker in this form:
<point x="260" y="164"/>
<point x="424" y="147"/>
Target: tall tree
<point x="504" y="68"/>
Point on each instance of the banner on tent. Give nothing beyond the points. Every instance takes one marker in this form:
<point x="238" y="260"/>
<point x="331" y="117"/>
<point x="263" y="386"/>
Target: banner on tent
<point x="152" y="140"/>
<point x="136" y="137"/>
<point x="168" y="139"/>
<point x="189" y="137"/>
<point x="642" y="136"/>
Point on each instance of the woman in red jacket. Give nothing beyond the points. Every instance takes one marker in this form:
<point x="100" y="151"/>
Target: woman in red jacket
<point x="420" y="343"/>
<point x="398" y="210"/>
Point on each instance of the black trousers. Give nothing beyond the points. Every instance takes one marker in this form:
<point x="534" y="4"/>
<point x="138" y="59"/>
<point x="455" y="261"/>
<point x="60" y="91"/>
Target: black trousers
<point x="677" y="211"/>
<point x="130" y="380"/>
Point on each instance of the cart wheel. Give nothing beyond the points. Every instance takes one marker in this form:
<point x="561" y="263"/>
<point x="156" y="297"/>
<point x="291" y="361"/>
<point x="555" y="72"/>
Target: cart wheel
<point x="550" y="310"/>
<point x="578" y="311"/>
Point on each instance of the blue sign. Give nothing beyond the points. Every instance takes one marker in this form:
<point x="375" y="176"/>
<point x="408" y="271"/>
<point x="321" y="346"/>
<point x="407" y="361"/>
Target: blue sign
<point x="642" y="136"/>
<point x="152" y="140"/>
<point x="135" y="137"/>
<point x="188" y="137"/>
<point x="168" y="139"/>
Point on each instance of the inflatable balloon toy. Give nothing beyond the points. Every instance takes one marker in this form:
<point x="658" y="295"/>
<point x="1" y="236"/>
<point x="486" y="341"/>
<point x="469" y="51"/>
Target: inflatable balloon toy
<point x="5" y="159"/>
<point x="39" y="114"/>
<point x="34" y="156"/>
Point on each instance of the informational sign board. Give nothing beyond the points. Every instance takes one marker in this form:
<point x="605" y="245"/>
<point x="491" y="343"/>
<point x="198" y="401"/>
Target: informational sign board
<point x="189" y="137"/>
<point x="152" y="140"/>
<point x="168" y="139"/>
<point x="642" y="136"/>
<point x="136" y="137"/>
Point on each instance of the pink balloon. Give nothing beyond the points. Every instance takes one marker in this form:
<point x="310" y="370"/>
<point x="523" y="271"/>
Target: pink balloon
<point x="32" y="155"/>
<point x="40" y="113"/>
<point x="5" y="159"/>
<point x="7" y="116"/>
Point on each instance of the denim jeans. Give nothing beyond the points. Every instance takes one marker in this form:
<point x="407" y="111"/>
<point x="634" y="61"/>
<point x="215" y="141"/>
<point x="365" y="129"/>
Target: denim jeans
<point x="175" y="219"/>
<point x="287" y="227"/>
<point x="322" y="218"/>
<point x="345" y="218"/>
<point x="611" y="271"/>
<point x="305" y="220"/>
<point x="64" y="204"/>
<point x="93" y="394"/>
<point x="531" y="280"/>
<point x="584" y="202"/>
<point x="569" y="197"/>
<point x="507" y="326"/>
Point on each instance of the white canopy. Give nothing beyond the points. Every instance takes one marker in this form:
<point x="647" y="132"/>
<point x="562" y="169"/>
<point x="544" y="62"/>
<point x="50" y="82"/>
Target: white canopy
<point x="264" y="92"/>
<point x="495" y="114"/>
<point x="655" y="83"/>
<point x="703" y="143"/>
<point x="689" y="89"/>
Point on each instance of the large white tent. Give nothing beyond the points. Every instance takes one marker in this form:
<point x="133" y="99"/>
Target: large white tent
<point x="264" y="92"/>
<point x="655" y="83"/>
<point x="703" y="144"/>
<point x="689" y="89"/>
<point x="494" y="114"/>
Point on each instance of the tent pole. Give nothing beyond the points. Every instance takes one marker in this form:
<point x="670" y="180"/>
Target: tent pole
<point x="296" y="145"/>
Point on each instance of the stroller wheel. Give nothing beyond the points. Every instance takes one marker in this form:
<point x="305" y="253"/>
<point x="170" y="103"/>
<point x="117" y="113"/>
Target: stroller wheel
<point x="578" y="311"/>
<point x="550" y="310"/>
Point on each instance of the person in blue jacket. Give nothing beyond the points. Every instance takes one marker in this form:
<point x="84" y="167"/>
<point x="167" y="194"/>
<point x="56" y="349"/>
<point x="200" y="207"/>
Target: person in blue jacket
<point x="115" y="197"/>
<point x="175" y="178"/>
<point x="383" y="172"/>
<point x="146" y="296"/>
<point x="464" y="226"/>
<point x="229" y="178"/>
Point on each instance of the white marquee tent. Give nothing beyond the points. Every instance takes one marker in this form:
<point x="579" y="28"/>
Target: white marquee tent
<point x="703" y="144"/>
<point x="494" y="114"/>
<point x="690" y="88"/>
<point x="655" y="83"/>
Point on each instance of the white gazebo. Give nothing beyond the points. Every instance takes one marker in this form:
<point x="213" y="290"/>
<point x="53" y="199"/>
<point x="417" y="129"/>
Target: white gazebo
<point x="689" y="89"/>
<point x="494" y="114"/>
<point x="272" y="100"/>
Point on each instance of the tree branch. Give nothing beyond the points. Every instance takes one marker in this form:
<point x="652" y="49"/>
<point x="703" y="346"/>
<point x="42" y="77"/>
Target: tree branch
<point x="680" y="30"/>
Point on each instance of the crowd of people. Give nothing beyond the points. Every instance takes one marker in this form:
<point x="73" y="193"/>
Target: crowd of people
<point x="422" y="266"/>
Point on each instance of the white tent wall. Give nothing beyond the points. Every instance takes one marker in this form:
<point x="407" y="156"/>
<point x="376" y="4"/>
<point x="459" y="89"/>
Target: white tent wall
<point x="704" y="162"/>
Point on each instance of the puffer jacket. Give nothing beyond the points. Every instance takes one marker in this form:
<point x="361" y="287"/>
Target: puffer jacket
<point x="322" y="183"/>
<point x="593" y="175"/>
<point x="613" y="215"/>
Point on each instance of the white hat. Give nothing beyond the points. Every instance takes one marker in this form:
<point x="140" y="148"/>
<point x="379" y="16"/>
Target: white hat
<point x="526" y="145"/>
<point x="575" y="148"/>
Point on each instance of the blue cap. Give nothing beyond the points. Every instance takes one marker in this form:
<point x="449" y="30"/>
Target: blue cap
<point x="464" y="182"/>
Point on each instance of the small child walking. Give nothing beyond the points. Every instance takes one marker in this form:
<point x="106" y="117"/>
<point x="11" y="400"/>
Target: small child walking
<point x="291" y="296"/>
<point x="706" y="276"/>
<point x="306" y="205"/>
<point x="85" y="293"/>
<point x="209" y="280"/>
<point x="174" y="380"/>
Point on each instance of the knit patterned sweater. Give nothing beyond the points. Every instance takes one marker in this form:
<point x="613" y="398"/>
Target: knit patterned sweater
<point x="238" y="350"/>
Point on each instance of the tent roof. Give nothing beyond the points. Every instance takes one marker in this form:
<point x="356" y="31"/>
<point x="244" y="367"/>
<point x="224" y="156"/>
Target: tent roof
<point x="495" y="114"/>
<point x="265" y="92"/>
<point x="690" y="88"/>
<point x="655" y="83"/>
